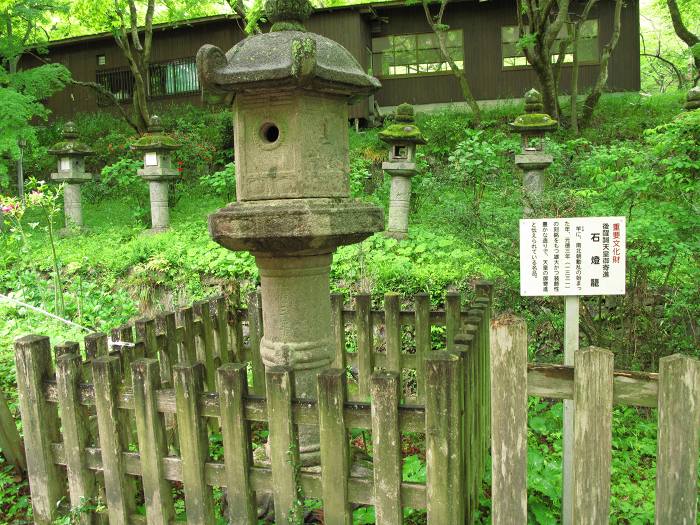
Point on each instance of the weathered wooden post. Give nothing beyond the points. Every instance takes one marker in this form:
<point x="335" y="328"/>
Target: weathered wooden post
<point x="71" y="155"/>
<point x="692" y="99"/>
<point x="532" y="126"/>
<point x="158" y="171"/>
<point x="402" y="136"/>
<point x="290" y="91"/>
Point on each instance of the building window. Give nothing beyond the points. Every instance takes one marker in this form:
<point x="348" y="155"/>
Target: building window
<point x="399" y="55"/>
<point x="174" y="77"/>
<point x="119" y="82"/>
<point x="513" y="56"/>
<point x="101" y="60"/>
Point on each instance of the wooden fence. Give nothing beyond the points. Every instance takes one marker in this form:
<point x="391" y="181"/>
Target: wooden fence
<point x="179" y="378"/>
<point x="595" y="387"/>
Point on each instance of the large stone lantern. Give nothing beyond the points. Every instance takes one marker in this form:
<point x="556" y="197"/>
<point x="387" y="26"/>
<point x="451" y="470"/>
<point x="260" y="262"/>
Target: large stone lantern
<point x="290" y="91"/>
<point x="402" y="136"/>
<point x="71" y="155"/>
<point x="157" y="148"/>
<point x="532" y="127"/>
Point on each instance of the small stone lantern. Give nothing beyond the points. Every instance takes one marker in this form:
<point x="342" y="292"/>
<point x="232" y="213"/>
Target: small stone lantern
<point x="692" y="100"/>
<point x="402" y="136"/>
<point x="290" y="91"/>
<point x="157" y="169"/>
<point x="71" y="155"/>
<point x="532" y="127"/>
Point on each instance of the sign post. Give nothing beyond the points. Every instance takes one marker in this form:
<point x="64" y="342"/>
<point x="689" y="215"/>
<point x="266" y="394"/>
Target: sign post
<point x="571" y="257"/>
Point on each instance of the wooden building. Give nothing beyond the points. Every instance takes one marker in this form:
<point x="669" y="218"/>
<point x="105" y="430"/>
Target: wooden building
<point x="393" y="40"/>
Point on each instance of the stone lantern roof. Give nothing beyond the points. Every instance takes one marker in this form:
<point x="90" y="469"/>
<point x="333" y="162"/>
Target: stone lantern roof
<point x="404" y="129"/>
<point x="155" y="139"/>
<point x="70" y="145"/>
<point x="286" y="57"/>
<point x="692" y="100"/>
<point x="534" y="119"/>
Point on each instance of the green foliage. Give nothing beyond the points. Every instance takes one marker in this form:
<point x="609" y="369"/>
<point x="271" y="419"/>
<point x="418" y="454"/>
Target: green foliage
<point x="221" y="183"/>
<point x="121" y="178"/>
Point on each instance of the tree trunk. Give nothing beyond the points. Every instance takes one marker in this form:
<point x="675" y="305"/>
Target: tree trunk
<point x="684" y="33"/>
<point x="594" y="96"/>
<point x="439" y="29"/>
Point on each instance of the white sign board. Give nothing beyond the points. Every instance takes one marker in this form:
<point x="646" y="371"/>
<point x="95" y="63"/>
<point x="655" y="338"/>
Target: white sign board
<point x="150" y="159"/>
<point x="572" y="256"/>
<point x="65" y="164"/>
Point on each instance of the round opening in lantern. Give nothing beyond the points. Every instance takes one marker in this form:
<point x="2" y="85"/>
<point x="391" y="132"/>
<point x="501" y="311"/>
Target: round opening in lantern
<point x="270" y="132"/>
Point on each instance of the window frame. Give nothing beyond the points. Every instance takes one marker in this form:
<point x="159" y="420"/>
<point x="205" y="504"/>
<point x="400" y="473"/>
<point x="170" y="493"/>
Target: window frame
<point x="448" y="71"/>
<point x="126" y="71"/>
<point x="527" y="66"/>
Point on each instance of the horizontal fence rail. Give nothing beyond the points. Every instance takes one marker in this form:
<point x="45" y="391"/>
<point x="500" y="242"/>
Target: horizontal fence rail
<point x="135" y="411"/>
<point x="594" y="387"/>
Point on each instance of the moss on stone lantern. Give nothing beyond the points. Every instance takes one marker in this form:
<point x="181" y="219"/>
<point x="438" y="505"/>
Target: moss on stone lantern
<point x="71" y="155"/>
<point x="290" y="90"/>
<point x="157" y="148"/>
<point x="402" y="136"/>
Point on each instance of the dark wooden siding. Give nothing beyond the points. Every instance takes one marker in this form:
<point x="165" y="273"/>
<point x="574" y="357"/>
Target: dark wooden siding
<point x="481" y="23"/>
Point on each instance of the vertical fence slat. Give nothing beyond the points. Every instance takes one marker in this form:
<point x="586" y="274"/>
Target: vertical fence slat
<point x="464" y="348"/>
<point x="121" y="334"/>
<point x="10" y="442"/>
<point x="81" y="480"/>
<point x="236" y="327"/>
<point x="392" y="329"/>
<point x="188" y="351"/>
<point x="509" y="420"/>
<point x="146" y="332"/>
<point x="386" y="446"/>
<point x="208" y="343"/>
<point x="238" y="454"/>
<point x="67" y="347"/>
<point x="284" y="446"/>
<point x="338" y="330"/>
<point x="255" y="329"/>
<point x="365" y="343"/>
<point x="40" y="423"/>
<point x="677" y="452"/>
<point x="423" y="341"/>
<point x="453" y="306"/>
<point x="170" y="330"/>
<point x="96" y="345"/>
<point x="334" y="447"/>
<point x="593" y="394"/>
<point x="222" y="334"/>
<point x="192" y="431"/>
<point x="444" y="440"/>
<point x="150" y="427"/>
<point x="113" y="440"/>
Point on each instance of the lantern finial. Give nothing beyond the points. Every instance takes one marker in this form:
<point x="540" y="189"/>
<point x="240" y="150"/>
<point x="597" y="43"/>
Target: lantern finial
<point x="288" y="15"/>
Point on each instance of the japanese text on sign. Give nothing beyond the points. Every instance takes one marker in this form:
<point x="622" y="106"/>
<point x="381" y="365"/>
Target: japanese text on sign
<point x="572" y="256"/>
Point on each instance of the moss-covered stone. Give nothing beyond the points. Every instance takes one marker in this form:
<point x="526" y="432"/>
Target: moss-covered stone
<point x="533" y="101"/>
<point x="155" y="139"/>
<point x="402" y="132"/>
<point x="288" y="15"/>
<point x="70" y="145"/>
<point x="404" y="113"/>
<point x="303" y="57"/>
<point x="534" y="122"/>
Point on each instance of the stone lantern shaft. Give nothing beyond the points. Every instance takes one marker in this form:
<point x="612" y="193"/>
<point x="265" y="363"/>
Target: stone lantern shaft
<point x="290" y="91"/>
